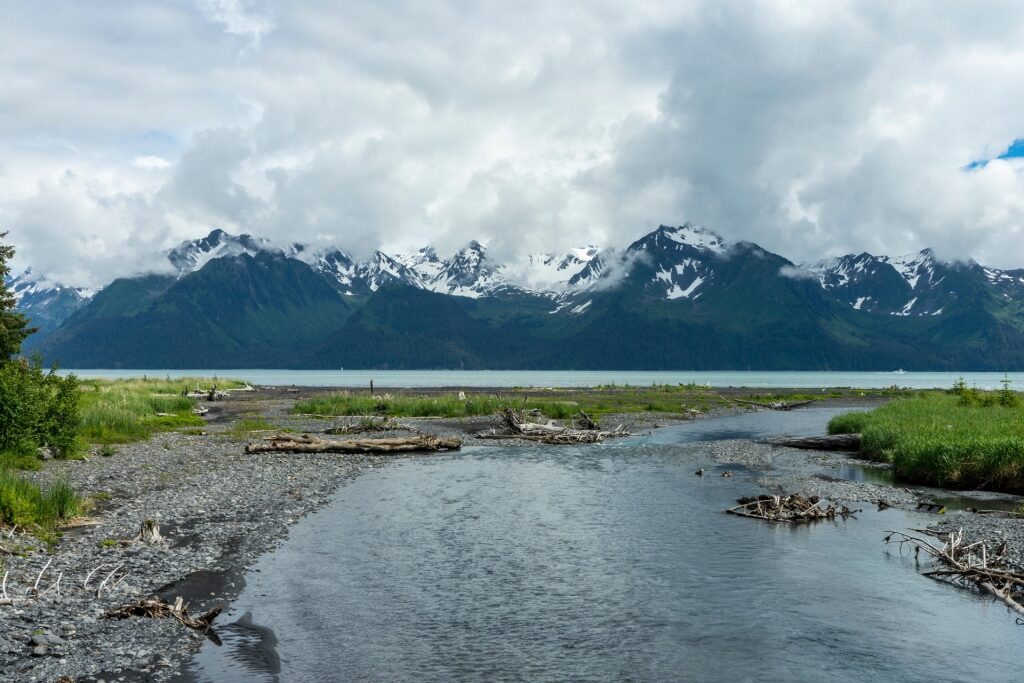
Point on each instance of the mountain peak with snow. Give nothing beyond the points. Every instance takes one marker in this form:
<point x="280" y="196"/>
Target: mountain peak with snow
<point x="192" y="255"/>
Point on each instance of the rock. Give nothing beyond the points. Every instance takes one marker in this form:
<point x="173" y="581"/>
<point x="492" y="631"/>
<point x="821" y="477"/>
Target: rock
<point x="39" y="651"/>
<point x="39" y="639"/>
<point x="55" y="640"/>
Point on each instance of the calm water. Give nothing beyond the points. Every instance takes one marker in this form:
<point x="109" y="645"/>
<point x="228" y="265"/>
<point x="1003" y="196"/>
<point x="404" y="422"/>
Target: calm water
<point x="602" y="563"/>
<point x="572" y="378"/>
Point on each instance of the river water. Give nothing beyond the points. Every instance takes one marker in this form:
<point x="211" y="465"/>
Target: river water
<point x="579" y="378"/>
<point x="598" y="563"/>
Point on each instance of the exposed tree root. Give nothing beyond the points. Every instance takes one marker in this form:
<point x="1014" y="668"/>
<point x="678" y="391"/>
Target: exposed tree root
<point x="155" y="608"/>
<point x="970" y="564"/>
<point x="774" y="405"/>
<point x="794" y="508"/>
<point x="516" y="426"/>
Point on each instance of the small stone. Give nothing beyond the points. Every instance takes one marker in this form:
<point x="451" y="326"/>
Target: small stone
<point x="39" y="651"/>
<point x="54" y="640"/>
<point x="39" y="640"/>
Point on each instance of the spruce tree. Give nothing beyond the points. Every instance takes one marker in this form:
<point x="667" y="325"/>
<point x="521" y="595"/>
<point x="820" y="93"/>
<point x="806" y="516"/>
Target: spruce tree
<point x="13" y="325"/>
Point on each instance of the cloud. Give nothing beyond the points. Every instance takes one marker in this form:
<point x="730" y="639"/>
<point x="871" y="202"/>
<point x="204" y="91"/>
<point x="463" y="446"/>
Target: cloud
<point x="810" y="130"/>
<point x="795" y="273"/>
<point x="150" y="162"/>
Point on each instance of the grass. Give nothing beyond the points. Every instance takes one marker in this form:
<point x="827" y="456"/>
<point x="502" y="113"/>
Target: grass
<point x="554" y="403"/>
<point x="953" y="439"/>
<point x="123" y="411"/>
<point x="26" y="504"/>
<point x="113" y="412"/>
<point x="247" y="425"/>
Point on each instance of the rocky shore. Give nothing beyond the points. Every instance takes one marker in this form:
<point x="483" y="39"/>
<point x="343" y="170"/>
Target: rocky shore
<point x="219" y="509"/>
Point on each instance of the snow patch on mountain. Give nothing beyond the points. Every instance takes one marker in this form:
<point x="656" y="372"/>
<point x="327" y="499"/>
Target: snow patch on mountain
<point x="191" y="255"/>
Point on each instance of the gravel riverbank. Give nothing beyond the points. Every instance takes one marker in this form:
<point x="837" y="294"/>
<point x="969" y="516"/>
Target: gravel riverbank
<point x="220" y="509"/>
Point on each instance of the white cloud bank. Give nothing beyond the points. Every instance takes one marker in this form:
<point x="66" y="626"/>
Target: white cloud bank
<point x="811" y="128"/>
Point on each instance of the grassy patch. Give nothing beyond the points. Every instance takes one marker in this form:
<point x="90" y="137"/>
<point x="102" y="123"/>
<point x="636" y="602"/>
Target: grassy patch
<point x="945" y="439"/>
<point x="124" y="411"/>
<point x="248" y="425"/>
<point x="25" y="504"/>
<point x="554" y="403"/>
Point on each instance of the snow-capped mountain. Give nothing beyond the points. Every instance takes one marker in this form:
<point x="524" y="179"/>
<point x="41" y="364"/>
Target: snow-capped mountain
<point x="918" y="284"/>
<point x="469" y="272"/>
<point x="192" y="255"/>
<point x="46" y="302"/>
<point x="555" y="272"/>
<point x="673" y="263"/>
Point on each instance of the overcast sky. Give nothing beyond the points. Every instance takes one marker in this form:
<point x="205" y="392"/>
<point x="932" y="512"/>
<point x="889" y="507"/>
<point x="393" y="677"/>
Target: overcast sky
<point x="813" y="128"/>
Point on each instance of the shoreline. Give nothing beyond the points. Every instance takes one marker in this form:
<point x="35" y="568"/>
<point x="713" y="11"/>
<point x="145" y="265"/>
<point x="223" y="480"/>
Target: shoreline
<point x="221" y="509"/>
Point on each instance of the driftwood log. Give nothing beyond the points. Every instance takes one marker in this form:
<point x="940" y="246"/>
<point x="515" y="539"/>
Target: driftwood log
<point x="832" y="442"/>
<point x="794" y="508"/>
<point x="517" y="426"/>
<point x="970" y="564"/>
<point x="774" y="405"/>
<point x="155" y="608"/>
<point x="308" y="444"/>
<point x="386" y="424"/>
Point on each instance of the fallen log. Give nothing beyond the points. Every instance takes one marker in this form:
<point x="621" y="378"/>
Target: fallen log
<point x="155" y="608"/>
<point x="403" y="444"/>
<point x="794" y="508"/>
<point x="832" y="442"/>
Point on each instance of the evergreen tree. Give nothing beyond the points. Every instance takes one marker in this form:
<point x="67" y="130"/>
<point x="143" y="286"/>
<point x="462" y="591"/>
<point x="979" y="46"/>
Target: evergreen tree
<point x="13" y="325"/>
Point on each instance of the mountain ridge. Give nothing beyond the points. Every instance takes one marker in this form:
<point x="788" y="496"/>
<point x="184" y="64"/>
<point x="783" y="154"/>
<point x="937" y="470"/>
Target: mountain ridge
<point x="678" y="297"/>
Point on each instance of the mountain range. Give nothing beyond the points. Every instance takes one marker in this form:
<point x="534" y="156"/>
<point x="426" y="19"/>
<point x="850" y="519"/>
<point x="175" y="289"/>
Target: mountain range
<point x="678" y="298"/>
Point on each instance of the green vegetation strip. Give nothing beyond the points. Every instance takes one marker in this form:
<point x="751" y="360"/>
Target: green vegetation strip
<point x="553" y="403"/>
<point x="66" y="415"/>
<point x="27" y="505"/>
<point x="962" y="438"/>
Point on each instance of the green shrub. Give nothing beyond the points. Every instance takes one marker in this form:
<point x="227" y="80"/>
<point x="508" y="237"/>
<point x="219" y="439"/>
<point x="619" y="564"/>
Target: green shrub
<point x="37" y="409"/>
<point x="848" y="423"/>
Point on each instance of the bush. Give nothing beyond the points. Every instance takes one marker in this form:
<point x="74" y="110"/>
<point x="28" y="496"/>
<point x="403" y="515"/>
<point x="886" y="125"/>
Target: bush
<point x="37" y="409"/>
<point x="848" y="423"/>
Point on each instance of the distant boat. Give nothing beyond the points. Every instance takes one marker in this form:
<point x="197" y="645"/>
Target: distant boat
<point x="901" y="371"/>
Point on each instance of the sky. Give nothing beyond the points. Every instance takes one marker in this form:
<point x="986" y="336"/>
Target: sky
<point x="814" y="129"/>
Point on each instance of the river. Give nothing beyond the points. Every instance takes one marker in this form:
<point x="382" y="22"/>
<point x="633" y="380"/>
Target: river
<point x="598" y="563"/>
<point x="579" y="378"/>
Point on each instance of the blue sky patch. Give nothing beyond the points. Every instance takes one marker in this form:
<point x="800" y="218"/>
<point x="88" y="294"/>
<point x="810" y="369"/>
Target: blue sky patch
<point x="1014" y="151"/>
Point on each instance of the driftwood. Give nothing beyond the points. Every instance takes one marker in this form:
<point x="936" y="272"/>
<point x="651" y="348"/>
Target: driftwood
<point x="308" y="444"/>
<point x="386" y="424"/>
<point x="517" y="426"/>
<point x="794" y="508"/>
<point x="970" y="564"/>
<point x="832" y="442"/>
<point x="155" y="608"/>
<point x="774" y="405"/>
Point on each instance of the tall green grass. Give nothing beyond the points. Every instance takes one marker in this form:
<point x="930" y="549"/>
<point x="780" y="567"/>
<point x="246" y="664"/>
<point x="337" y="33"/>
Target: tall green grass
<point x="946" y="440"/>
<point x="26" y="504"/>
<point x="124" y="413"/>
